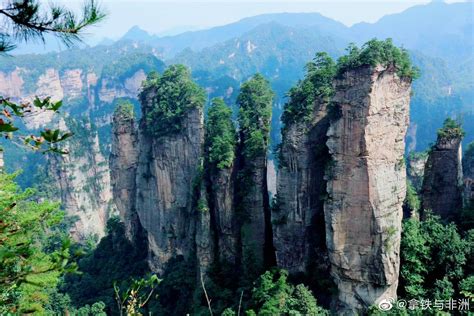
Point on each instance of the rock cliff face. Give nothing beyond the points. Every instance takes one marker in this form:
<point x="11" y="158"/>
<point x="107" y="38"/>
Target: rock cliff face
<point x="366" y="184"/>
<point x="110" y="88"/>
<point x="468" y="172"/>
<point x="167" y="168"/>
<point x="253" y="207"/>
<point x="220" y="190"/>
<point x="416" y="169"/>
<point x="442" y="184"/>
<point x="84" y="182"/>
<point x="123" y="167"/>
<point x="298" y="221"/>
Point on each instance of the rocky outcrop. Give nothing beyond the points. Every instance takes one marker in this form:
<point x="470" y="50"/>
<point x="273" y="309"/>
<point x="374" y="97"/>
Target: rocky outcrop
<point x="220" y="190"/>
<point x="468" y="173"/>
<point x="167" y="168"/>
<point x="205" y="246"/>
<point x="416" y="168"/>
<point x="366" y="185"/>
<point x="110" y="88"/>
<point x="298" y="219"/>
<point x="254" y="208"/>
<point x="442" y="184"/>
<point x="84" y="181"/>
<point x="123" y="167"/>
<point x="11" y="84"/>
<point x="72" y="83"/>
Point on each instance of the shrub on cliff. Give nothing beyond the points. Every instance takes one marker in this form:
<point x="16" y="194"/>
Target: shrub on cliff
<point x="376" y="52"/>
<point x="220" y="135"/>
<point x="317" y="84"/>
<point x="450" y="130"/>
<point x="173" y="95"/>
<point x="255" y="102"/>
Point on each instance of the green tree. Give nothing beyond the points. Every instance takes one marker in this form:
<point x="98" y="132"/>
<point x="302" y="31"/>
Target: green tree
<point x="273" y="295"/>
<point x="450" y="130"/>
<point x="376" y="52"/>
<point x="317" y="84"/>
<point x="28" y="272"/>
<point x="172" y="96"/>
<point x="255" y="102"/>
<point x="434" y="258"/>
<point x="220" y="135"/>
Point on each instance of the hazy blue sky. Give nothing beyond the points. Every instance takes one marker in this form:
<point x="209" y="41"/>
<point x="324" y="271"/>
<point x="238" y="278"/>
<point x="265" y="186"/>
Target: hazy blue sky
<point x="157" y="16"/>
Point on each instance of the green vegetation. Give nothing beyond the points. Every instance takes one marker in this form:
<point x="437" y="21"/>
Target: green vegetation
<point x="255" y="102"/>
<point x="317" y="85"/>
<point x="124" y="109"/>
<point x="376" y="52"/>
<point x="273" y="295"/>
<point x="435" y="258"/>
<point x="173" y="95"/>
<point x="450" y="130"/>
<point x="126" y="66"/>
<point x="220" y="135"/>
<point x="114" y="261"/>
<point x="30" y="268"/>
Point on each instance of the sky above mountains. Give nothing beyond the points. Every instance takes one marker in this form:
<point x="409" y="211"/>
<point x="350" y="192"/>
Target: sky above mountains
<point x="170" y="18"/>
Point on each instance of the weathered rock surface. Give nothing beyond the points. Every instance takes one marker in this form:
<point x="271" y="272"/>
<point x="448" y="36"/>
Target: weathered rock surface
<point x="442" y="184"/>
<point x="110" y="88"/>
<point x="416" y="169"/>
<point x="254" y="212"/>
<point x="167" y="167"/>
<point x="366" y="186"/>
<point x="468" y="172"/>
<point x="123" y="167"/>
<point x="301" y="190"/>
<point x="84" y="183"/>
<point x="220" y="191"/>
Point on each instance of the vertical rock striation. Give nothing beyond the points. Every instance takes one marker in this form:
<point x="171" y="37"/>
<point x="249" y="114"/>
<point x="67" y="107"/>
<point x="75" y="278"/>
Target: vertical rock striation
<point x="123" y="166"/>
<point x="84" y="181"/>
<point x="442" y="183"/>
<point x="468" y="172"/>
<point x="167" y="173"/>
<point x="221" y="197"/>
<point x="298" y="219"/>
<point x="366" y="185"/>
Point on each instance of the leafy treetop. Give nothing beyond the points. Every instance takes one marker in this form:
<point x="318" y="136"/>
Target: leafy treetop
<point x="28" y="271"/>
<point x="450" y="130"/>
<point x="317" y="84"/>
<point x="220" y="135"/>
<point x="124" y="110"/>
<point x="255" y="102"/>
<point x="376" y="52"/>
<point x="173" y="95"/>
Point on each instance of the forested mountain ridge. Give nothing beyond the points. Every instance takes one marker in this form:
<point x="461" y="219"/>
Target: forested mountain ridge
<point x="167" y="185"/>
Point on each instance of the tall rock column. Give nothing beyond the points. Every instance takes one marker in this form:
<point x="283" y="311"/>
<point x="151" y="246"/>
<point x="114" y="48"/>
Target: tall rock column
<point x="298" y="218"/>
<point x="366" y="185"/>
<point x="168" y="172"/>
<point x="123" y="166"/>
<point x="255" y="101"/>
<point x="468" y="172"/>
<point x="219" y="153"/>
<point x="442" y="183"/>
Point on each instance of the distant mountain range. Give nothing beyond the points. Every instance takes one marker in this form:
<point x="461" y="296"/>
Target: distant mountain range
<point x="438" y="35"/>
